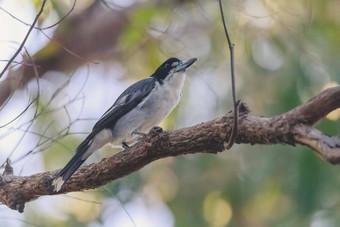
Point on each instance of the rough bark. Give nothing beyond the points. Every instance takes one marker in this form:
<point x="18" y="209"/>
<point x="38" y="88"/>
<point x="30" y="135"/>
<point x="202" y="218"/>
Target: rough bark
<point x="293" y="127"/>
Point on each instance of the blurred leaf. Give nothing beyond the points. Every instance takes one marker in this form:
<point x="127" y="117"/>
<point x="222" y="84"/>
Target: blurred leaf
<point x="136" y="32"/>
<point x="48" y="8"/>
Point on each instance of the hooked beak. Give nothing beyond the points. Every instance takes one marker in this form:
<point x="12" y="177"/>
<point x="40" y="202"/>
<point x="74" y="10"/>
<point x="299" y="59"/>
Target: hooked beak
<point x="182" y="66"/>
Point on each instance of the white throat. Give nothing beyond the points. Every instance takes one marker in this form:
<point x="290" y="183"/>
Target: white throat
<point x="175" y="81"/>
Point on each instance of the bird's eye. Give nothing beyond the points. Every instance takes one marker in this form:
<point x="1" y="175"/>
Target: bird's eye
<point x="174" y="64"/>
<point x="167" y="66"/>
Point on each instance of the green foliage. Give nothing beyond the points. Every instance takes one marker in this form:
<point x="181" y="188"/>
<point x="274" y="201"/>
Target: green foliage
<point x="135" y="33"/>
<point x="47" y="10"/>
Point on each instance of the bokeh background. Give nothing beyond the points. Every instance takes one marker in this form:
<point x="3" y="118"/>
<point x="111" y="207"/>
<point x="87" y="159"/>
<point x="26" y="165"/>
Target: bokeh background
<point x="286" y="51"/>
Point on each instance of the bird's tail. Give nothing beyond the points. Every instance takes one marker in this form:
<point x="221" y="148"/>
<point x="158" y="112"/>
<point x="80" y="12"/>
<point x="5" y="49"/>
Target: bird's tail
<point x="76" y="161"/>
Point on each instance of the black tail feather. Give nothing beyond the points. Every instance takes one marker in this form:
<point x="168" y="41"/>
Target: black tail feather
<point x="73" y="164"/>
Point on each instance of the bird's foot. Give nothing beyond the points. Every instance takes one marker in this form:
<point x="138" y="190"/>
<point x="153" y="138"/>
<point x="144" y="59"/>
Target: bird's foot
<point x="156" y="129"/>
<point x="125" y="145"/>
<point x="138" y="133"/>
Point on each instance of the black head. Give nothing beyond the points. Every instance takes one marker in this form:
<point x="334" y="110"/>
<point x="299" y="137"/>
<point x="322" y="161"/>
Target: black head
<point x="171" y="66"/>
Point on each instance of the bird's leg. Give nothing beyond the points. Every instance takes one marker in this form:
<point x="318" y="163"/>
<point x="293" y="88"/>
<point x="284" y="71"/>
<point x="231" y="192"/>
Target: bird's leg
<point x="125" y="145"/>
<point x="155" y="129"/>
<point x="138" y="133"/>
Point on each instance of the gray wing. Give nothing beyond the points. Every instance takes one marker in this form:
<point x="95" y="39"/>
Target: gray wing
<point x="129" y="99"/>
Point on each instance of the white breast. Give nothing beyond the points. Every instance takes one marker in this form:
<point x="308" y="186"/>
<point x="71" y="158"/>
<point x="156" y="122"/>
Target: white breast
<point x="167" y="95"/>
<point x="159" y="104"/>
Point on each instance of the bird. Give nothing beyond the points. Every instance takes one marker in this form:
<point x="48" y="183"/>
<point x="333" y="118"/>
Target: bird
<point x="140" y="107"/>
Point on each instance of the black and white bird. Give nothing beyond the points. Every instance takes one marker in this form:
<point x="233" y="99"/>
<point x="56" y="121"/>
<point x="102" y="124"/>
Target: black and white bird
<point x="140" y="107"/>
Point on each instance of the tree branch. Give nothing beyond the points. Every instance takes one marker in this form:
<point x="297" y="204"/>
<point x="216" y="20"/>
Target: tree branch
<point x="295" y="126"/>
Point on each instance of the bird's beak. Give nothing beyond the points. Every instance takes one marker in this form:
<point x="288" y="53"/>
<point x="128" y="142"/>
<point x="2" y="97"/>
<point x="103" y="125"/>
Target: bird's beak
<point x="182" y="66"/>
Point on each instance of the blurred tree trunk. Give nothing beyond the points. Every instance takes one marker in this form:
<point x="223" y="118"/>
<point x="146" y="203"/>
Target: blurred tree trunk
<point x="90" y="36"/>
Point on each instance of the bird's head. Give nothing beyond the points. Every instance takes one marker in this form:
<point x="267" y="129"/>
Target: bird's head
<point x="170" y="67"/>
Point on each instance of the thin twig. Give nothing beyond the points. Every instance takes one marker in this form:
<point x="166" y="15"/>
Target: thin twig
<point x="236" y="103"/>
<point x="18" y="63"/>
<point x="19" y="115"/>
<point x="24" y="41"/>
<point x="44" y="28"/>
<point x="63" y="18"/>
